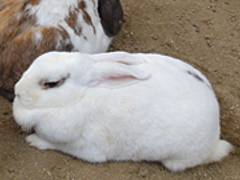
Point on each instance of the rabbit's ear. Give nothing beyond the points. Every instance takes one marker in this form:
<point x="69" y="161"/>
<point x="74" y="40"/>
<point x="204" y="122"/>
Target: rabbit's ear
<point x="115" y="74"/>
<point x="120" y="57"/>
<point x="111" y="14"/>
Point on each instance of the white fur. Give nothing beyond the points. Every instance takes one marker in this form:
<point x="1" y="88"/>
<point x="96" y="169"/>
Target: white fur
<point x="53" y="13"/>
<point x="38" y="38"/>
<point x="120" y="106"/>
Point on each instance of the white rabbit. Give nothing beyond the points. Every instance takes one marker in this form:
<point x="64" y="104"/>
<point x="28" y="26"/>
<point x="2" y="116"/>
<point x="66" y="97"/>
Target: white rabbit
<point x="29" y="28"/>
<point x="120" y="106"/>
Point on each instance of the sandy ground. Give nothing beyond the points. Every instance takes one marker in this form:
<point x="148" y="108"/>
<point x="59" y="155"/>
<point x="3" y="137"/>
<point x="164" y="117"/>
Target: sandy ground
<point x="204" y="33"/>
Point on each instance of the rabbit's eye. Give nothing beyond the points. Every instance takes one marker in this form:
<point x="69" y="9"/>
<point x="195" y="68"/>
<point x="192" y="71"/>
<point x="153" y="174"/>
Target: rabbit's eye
<point x="52" y="84"/>
<point x="48" y="85"/>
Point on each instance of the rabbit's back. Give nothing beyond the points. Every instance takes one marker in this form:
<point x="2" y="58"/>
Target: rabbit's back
<point x="166" y="114"/>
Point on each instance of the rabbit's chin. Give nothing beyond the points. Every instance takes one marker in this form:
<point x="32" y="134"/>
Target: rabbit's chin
<point x="27" y="130"/>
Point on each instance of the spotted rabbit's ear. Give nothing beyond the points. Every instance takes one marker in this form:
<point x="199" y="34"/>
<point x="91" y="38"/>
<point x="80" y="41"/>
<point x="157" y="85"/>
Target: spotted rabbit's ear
<point x="111" y="14"/>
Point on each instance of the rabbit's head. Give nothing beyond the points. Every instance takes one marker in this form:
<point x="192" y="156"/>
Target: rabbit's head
<point x="50" y="80"/>
<point x="59" y="79"/>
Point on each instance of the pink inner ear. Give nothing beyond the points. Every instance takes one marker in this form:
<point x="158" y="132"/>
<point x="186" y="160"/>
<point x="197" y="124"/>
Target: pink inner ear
<point x="118" y="81"/>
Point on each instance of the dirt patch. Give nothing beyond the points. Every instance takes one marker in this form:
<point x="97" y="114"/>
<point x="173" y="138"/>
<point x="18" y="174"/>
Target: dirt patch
<point x="204" y="33"/>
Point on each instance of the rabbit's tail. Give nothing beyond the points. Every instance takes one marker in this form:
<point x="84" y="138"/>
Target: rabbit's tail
<point x="222" y="149"/>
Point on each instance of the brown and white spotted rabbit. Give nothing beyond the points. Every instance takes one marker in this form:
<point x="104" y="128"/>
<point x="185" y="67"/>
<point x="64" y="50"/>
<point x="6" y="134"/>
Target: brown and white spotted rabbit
<point x="29" y="28"/>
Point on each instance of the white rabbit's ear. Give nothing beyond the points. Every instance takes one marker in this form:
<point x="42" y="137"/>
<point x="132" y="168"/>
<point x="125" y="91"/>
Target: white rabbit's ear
<point x="115" y="74"/>
<point x="120" y="57"/>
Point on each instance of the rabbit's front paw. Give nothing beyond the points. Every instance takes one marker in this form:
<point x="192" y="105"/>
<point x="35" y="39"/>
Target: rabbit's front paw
<point x="35" y="141"/>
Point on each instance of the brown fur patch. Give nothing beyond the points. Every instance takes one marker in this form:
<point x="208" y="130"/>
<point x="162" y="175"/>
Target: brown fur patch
<point x="64" y="34"/>
<point x="82" y="5"/>
<point x="17" y="41"/>
<point x="34" y="2"/>
<point x="13" y="21"/>
<point x="72" y="21"/>
<point x="86" y="16"/>
<point x="21" y="51"/>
